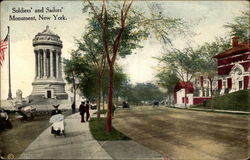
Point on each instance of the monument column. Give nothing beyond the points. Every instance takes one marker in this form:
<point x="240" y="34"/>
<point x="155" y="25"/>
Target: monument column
<point x="51" y="64"/>
<point x="44" y="63"/>
<point x="38" y="64"/>
<point x="47" y="65"/>
<point x="60" y="65"/>
<point x="57" y="65"/>
<point x="41" y="63"/>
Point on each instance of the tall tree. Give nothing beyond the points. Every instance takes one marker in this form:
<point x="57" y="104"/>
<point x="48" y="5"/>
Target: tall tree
<point x="75" y="69"/>
<point x="240" y="26"/>
<point x="123" y="29"/>
<point x="91" y="46"/>
<point x="167" y="79"/>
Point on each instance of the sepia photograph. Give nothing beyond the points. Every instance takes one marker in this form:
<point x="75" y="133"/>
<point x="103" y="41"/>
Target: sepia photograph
<point x="125" y="79"/>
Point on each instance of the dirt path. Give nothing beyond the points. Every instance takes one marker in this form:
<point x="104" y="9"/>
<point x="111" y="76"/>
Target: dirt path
<point x="189" y="135"/>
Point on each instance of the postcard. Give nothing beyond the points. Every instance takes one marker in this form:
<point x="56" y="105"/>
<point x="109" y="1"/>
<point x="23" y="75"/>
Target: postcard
<point x="124" y="79"/>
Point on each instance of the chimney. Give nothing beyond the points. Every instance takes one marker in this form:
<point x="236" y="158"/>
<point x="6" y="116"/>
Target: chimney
<point x="235" y="41"/>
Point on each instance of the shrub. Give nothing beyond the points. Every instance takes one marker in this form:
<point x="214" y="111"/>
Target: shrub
<point x="236" y="101"/>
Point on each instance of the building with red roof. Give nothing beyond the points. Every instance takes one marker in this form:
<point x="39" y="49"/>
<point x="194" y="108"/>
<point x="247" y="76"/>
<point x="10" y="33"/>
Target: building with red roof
<point x="233" y="67"/>
<point x="179" y="93"/>
<point x="193" y="91"/>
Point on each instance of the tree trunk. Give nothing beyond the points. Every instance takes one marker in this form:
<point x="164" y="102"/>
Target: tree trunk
<point x="211" y="90"/>
<point x="203" y="92"/>
<point x="74" y="95"/>
<point x="103" y="101"/>
<point x="99" y="97"/>
<point x="186" y="86"/>
<point x="185" y="99"/>
<point x="110" y="99"/>
<point x="74" y="90"/>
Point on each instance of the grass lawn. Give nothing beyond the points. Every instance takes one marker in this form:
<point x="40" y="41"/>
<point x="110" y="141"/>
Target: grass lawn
<point x="16" y="140"/>
<point x="102" y="111"/>
<point x="97" y="128"/>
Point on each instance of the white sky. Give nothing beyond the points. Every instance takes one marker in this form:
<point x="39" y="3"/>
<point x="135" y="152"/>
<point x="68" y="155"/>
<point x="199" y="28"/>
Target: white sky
<point x="139" y="66"/>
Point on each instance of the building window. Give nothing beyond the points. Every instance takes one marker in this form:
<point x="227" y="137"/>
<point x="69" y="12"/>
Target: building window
<point x="207" y="92"/>
<point x="240" y="85"/>
<point x="229" y="83"/>
<point x="219" y="84"/>
<point x="246" y="82"/>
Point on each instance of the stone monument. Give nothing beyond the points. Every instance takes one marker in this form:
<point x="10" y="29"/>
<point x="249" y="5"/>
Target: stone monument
<point x="48" y="82"/>
<point x="19" y="97"/>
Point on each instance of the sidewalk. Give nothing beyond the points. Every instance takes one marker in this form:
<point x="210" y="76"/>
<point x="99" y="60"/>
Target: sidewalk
<point x="79" y="144"/>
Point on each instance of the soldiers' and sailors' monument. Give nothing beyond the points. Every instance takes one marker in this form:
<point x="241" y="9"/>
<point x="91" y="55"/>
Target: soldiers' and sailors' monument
<point x="48" y="82"/>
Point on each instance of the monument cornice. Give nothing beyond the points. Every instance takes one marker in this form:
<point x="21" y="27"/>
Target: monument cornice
<point x="37" y="43"/>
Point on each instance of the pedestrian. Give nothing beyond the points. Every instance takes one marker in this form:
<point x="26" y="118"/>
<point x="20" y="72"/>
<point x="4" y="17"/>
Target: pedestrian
<point x="1" y="155"/>
<point x="4" y="120"/>
<point x="124" y="105"/>
<point x="87" y="110"/>
<point x="113" y="110"/>
<point x="73" y="107"/>
<point x="56" y="110"/>
<point x="82" y="111"/>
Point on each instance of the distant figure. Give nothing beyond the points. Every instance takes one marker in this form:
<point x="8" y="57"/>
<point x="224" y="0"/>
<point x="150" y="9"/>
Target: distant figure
<point x="82" y="111"/>
<point x="125" y="105"/>
<point x="87" y="111"/>
<point x="4" y="121"/>
<point x="73" y="106"/>
<point x="113" y="110"/>
<point x="156" y="103"/>
<point x="56" y="110"/>
<point x="1" y="154"/>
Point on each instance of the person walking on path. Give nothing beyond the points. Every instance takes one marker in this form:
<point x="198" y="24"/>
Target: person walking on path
<point x="73" y="107"/>
<point x="56" y="110"/>
<point x="113" y="110"/>
<point x="87" y="111"/>
<point x="82" y="111"/>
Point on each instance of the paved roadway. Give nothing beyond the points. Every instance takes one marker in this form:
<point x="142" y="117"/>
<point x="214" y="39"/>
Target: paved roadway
<point x="184" y="134"/>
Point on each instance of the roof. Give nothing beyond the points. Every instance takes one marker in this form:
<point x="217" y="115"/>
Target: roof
<point x="184" y="85"/>
<point x="47" y="37"/>
<point x="238" y="49"/>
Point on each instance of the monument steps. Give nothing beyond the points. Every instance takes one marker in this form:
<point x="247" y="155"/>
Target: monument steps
<point x="47" y="104"/>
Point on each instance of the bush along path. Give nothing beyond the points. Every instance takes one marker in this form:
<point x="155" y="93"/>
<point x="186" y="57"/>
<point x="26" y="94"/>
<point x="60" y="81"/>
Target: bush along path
<point x="237" y="101"/>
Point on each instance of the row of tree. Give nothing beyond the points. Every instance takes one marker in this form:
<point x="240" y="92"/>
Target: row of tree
<point x="115" y="29"/>
<point x="84" y="76"/>
<point x="183" y="65"/>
